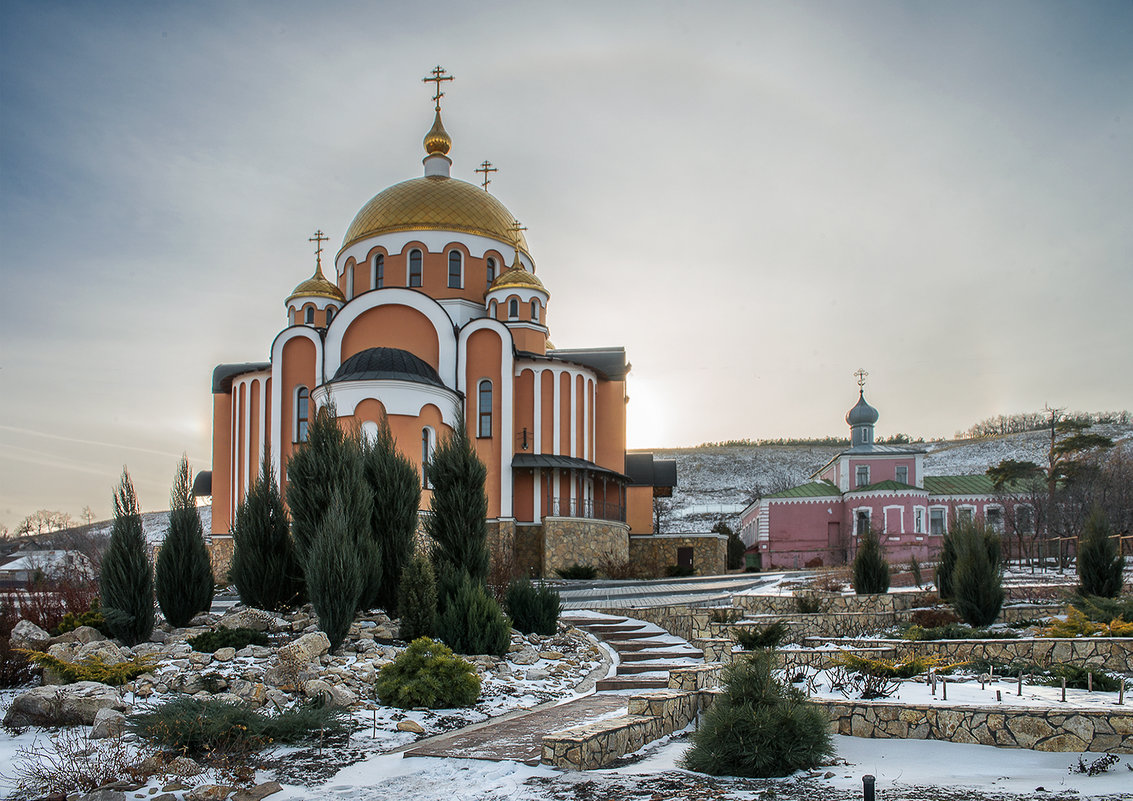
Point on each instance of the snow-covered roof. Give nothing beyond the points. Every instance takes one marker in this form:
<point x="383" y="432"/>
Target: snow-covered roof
<point x="44" y="560"/>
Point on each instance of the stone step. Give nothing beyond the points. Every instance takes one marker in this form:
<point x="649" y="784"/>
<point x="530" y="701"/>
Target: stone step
<point x="642" y="656"/>
<point x="646" y="667"/>
<point x="622" y="636"/>
<point x="631" y="683"/>
<point x="611" y="628"/>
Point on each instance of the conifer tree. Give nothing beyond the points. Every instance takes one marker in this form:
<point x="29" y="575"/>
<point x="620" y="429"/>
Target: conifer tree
<point x="459" y="510"/>
<point x="335" y="580"/>
<point x="472" y="622"/>
<point x="265" y="568"/>
<point x="417" y="599"/>
<point x="396" y="490"/>
<point x="871" y="571"/>
<point x="947" y="565"/>
<point x="977" y="581"/>
<point x="1100" y="566"/>
<point x="183" y="577"/>
<point x="126" y="579"/>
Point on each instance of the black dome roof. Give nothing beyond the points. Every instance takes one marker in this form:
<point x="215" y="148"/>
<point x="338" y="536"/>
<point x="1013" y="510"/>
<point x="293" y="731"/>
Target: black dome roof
<point x="862" y="413"/>
<point x="387" y="363"/>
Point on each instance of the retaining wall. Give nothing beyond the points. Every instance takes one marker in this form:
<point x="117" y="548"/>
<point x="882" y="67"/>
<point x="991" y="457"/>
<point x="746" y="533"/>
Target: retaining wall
<point x="1111" y="653"/>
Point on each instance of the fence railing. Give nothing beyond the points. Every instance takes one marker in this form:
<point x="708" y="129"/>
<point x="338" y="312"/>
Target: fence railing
<point x="585" y="508"/>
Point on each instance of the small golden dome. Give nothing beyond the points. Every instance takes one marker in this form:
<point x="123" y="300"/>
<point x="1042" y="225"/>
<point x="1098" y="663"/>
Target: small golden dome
<point x="437" y="139"/>
<point x="517" y="277"/>
<point x="319" y="287"/>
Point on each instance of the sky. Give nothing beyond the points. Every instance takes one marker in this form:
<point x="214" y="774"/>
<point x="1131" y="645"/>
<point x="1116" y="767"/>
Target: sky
<point x="754" y="198"/>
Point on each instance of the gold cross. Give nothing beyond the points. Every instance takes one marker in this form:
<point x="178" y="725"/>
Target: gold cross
<point x="486" y="167"/>
<point x="438" y="73"/>
<point x="319" y="238"/>
<point x="515" y="228"/>
<point x="860" y="375"/>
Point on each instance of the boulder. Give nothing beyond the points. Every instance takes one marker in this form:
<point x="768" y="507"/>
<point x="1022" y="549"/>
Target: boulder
<point x="258" y="792"/>
<point x="410" y="726"/>
<point x="304" y="650"/>
<point x="333" y="694"/>
<point x="535" y="674"/>
<point x="86" y="634"/>
<point x="210" y="792"/>
<point x="103" y="650"/>
<point x="26" y="634"/>
<point x="526" y="656"/>
<point x="224" y="654"/>
<point x="247" y="618"/>
<point x="67" y="705"/>
<point x="103" y="794"/>
<point x="107" y="723"/>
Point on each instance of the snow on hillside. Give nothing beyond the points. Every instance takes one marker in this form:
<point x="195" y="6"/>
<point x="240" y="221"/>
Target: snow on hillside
<point x="716" y="482"/>
<point x="155" y="524"/>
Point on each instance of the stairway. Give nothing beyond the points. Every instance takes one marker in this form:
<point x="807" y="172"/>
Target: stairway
<point x="645" y="652"/>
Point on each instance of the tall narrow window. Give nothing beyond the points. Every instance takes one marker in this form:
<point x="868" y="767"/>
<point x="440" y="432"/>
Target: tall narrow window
<point x="378" y="272"/>
<point x="426" y="454"/>
<point x="513" y="309"/>
<point x="1024" y="519"/>
<point x="302" y="413"/>
<point x="861" y="476"/>
<point x="414" y="268"/>
<point x="918" y="521"/>
<point x="936" y="521"/>
<point x="454" y="269"/>
<point x="309" y="315"/>
<point x="485" y="411"/>
<point x="535" y="310"/>
<point x="330" y="314"/>
<point x="902" y="476"/>
<point x="491" y="270"/>
<point x="993" y="516"/>
<point x="291" y="316"/>
<point x="350" y="282"/>
<point x="965" y="515"/>
<point x="862" y="527"/>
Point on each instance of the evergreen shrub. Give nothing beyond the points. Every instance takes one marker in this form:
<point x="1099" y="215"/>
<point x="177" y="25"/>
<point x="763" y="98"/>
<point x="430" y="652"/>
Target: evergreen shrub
<point x="472" y="622"/>
<point x="126" y="578"/>
<point x="977" y="581"/>
<point x="871" y="571"/>
<point x="265" y="567"/>
<point x="92" y="617"/>
<point x="183" y="579"/>
<point x="94" y="668"/>
<point x="533" y="610"/>
<point x="751" y="638"/>
<point x="417" y="600"/>
<point x="577" y="571"/>
<point x="1100" y="566"/>
<point x="947" y="565"/>
<point x="212" y="641"/>
<point x="428" y="674"/>
<point x="334" y="576"/>
<point x="915" y="569"/>
<point x="759" y="726"/>
<point x="396" y="490"/>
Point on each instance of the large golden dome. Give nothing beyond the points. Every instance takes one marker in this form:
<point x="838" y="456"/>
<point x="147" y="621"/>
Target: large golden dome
<point x="434" y="203"/>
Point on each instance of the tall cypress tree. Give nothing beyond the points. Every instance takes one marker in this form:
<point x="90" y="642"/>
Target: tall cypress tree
<point x="871" y="571"/>
<point x="183" y="577"/>
<point x="458" y="513"/>
<point x="126" y="579"/>
<point x="1100" y="566"/>
<point x="977" y="581"/>
<point x="334" y="574"/>
<point x="396" y="490"/>
<point x="265" y="568"/>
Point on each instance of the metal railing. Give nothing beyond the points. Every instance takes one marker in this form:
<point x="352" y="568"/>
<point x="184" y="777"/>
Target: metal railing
<point x="585" y="508"/>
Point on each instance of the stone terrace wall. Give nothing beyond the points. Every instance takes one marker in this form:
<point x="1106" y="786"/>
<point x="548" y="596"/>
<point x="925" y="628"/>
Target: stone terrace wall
<point x="571" y="540"/>
<point x="681" y="621"/>
<point x="1110" y="653"/>
<point x="1037" y="728"/>
<point x="529" y="550"/>
<point x="653" y="553"/>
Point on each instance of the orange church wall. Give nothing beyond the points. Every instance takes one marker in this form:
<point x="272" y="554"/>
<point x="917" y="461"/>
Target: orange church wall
<point x="529" y="339"/>
<point x="221" y="459"/>
<point x="523" y="489"/>
<point x="565" y="406"/>
<point x="610" y="415"/>
<point x="297" y="369"/>
<point x="525" y="411"/>
<point x="547" y="418"/>
<point x="485" y="351"/>
<point x="639" y="509"/>
<point x="241" y="428"/>
<point x="253" y="460"/>
<point x="579" y="414"/>
<point x="393" y="326"/>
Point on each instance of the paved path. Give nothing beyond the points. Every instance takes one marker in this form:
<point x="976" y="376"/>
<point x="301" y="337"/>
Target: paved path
<point x="659" y="592"/>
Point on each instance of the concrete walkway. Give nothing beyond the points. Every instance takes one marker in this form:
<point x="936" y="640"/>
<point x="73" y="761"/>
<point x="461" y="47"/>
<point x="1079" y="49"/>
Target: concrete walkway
<point x="701" y="590"/>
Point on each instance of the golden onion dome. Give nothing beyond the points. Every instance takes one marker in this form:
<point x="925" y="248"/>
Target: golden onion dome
<point x="437" y="139"/>
<point x="319" y="287"/>
<point x="434" y="203"/>
<point x="517" y="278"/>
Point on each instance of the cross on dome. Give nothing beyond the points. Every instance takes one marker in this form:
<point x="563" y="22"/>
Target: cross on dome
<point x="861" y="374"/>
<point x="318" y="239"/>
<point x="486" y="167"/>
<point x="438" y="75"/>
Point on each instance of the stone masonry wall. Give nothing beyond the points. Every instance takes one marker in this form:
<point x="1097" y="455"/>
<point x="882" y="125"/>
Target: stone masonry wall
<point x="1111" y="653"/>
<point x="220" y="554"/>
<point x="653" y="553"/>
<point x="529" y="550"/>
<point x="570" y="540"/>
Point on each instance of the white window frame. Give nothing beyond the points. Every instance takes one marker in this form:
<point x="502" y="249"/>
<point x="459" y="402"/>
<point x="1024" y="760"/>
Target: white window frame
<point x="377" y="271"/>
<point x="995" y="507"/>
<point x="897" y="474"/>
<point x="868" y="511"/>
<point x="919" y="519"/>
<point x="858" y="483"/>
<point x="969" y="508"/>
<point x="409" y="269"/>
<point x="885" y="510"/>
<point x="295" y="420"/>
<point x="944" y="519"/>
<point x="349" y="281"/>
<point x="483" y="416"/>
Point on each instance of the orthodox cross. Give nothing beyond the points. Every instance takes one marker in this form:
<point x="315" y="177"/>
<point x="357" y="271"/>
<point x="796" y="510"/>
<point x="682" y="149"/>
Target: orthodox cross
<point x="438" y="73"/>
<point x="860" y="375"/>
<point x="486" y="167"/>
<point x="318" y="239"/>
<point x="515" y="228"/>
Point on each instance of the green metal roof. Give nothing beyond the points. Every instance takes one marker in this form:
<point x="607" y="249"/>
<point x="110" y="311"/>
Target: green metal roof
<point x="959" y="485"/>
<point x="815" y="489"/>
<point x="889" y="484"/>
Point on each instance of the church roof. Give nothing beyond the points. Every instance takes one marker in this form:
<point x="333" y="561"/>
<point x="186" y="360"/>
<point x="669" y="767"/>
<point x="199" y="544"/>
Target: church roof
<point x="888" y="485"/>
<point x="434" y="203"/>
<point x="319" y="287"/>
<point x="862" y="413"/>
<point x="387" y="363"/>
<point x="517" y="277"/>
<point x="814" y="489"/>
<point x="979" y="484"/>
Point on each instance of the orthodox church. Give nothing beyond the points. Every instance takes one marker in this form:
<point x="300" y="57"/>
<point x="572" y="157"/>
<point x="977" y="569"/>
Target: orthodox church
<point x="431" y="313"/>
<point x="871" y="486"/>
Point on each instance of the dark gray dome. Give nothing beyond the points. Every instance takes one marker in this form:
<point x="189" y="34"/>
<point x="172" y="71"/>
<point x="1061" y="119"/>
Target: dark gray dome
<point x="862" y="414"/>
<point x="387" y="363"/>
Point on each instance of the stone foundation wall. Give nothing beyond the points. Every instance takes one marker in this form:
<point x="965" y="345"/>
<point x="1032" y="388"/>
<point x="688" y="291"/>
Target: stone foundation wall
<point x="1036" y="728"/>
<point x="1110" y="653"/>
<point x="529" y="550"/>
<point x="501" y="545"/>
<point x="652" y="554"/>
<point x="220" y="554"/>
<point x="572" y="540"/>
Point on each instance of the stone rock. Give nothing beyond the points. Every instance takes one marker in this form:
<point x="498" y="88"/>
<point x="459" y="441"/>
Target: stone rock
<point x="258" y="792"/>
<point x="159" y="636"/>
<point x="149" y="649"/>
<point x="526" y="656"/>
<point x="70" y="704"/>
<point x="410" y="726"/>
<point x="550" y="655"/>
<point x="334" y="694"/>
<point x="104" y="794"/>
<point x="210" y="792"/>
<point x="107" y="723"/>
<point x="304" y="650"/>
<point x="103" y="650"/>
<point x="224" y="654"/>
<point x="247" y="618"/>
<point x="199" y="659"/>
<point x="88" y="634"/>
<point x="26" y="634"/>
<point x="165" y="797"/>
<point x="203" y="619"/>
<point x="535" y="674"/>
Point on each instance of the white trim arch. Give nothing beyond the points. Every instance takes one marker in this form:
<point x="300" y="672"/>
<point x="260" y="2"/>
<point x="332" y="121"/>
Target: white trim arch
<point x="406" y="398"/>
<point x="506" y="423"/>
<point x="284" y="337"/>
<point x="395" y="296"/>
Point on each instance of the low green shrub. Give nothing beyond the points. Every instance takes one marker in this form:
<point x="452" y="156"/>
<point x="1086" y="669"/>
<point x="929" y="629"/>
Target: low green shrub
<point x="808" y="603"/>
<point x="957" y="631"/>
<point x="93" y="668"/>
<point x="759" y="726"/>
<point x="197" y="727"/>
<point x="905" y="668"/>
<point x="428" y="674"/>
<point x="1104" y="610"/>
<point x="15" y="669"/>
<point x="1077" y="624"/>
<point x="751" y="638"/>
<point x="92" y="617"/>
<point x="473" y="622"/>
<point x="577" y="571"/>
<point x="533" y="610"/>
<point x="1078" y="678"/>
<point x="212" y="641"/>
<point x="725" y="614"/>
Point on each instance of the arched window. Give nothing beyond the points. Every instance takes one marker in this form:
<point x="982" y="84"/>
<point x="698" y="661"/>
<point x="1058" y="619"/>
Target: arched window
<point x="513" y="309"/>
<point x="414" y="268"/>
<point x="350" y="282"/>
<point x="484" y="417"/>
<point x="454" y="270"/>
<point x="491" y="270"/>
<point x="426" y="455"/>
<point x="309" y="316"/>
<point x="330" y="314"/>
<point x="378" y="272"/>
<point x="302" y="413"/>
<point x="492" y="308"/>
<point x="291" y="316"/>
<point x="535" y="310"/>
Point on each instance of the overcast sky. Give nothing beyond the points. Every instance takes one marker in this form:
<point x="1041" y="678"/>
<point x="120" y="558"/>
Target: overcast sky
<point x="754" y="198"/>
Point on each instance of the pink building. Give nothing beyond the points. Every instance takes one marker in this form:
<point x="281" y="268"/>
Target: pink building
<point x="871" y="486"/>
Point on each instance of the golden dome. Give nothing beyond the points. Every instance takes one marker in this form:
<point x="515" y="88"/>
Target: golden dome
<point x="317" y="286"/>
<point x="517" y="277"/>
<point x="437" y="139"/>
<point x="433" y="203"/>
